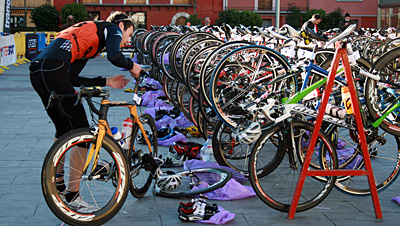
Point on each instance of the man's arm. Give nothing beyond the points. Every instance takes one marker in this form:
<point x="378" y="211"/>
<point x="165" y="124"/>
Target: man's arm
<point x="76" y="68"/>
<point x="114" y="55"/>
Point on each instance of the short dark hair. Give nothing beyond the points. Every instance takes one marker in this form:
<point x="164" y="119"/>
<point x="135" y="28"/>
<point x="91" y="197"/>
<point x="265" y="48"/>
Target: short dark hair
<point x="70" y="19"/>
<point x="317" y="16"/>
<point x="117" y="17"/>
<point x="347" y="15"/>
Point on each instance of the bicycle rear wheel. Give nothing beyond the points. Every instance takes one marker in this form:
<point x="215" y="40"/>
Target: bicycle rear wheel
<point x="104" y="188"/>
<point x="275" y="184"/>
<point x="141" y="171"/>
<point x="195" y="182"/>
<point x="384" y="150"/>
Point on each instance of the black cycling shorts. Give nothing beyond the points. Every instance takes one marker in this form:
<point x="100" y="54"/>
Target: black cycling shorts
<point x="47" y="75"/>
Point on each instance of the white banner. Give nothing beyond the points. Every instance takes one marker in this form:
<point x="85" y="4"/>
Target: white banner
<point x="8" y="54"/>
<point x="2" y="10"/>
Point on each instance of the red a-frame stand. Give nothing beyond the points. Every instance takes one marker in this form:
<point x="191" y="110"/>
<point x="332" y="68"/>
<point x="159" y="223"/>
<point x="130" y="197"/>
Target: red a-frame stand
<point x="341" y="53"/>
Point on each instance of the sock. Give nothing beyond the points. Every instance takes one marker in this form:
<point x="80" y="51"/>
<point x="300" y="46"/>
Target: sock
<point x="60" y="186"/>
<point x="71" y="195"/>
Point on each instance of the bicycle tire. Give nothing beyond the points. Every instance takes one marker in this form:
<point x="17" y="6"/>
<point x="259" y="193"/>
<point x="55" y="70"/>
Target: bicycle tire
<point x="211" y="62"/>
<point x="184" y="190"/>
<point x="274" y="184"/>
<point x="378" y="97"/>
<point x="116" y="183"/>
<point x="230" y="81"/>
<point x="385" y="160"/>
<point x="141" y="176"/>
<point x="228" y="151"/>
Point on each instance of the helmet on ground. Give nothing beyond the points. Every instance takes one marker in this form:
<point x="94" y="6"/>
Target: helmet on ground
<point x="165" y="133"/>
<point x="193" y="130"/>
<point x="169" y="182"/>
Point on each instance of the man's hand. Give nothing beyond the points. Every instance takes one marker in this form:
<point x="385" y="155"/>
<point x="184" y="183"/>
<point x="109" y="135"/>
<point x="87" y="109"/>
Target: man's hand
<point x="135" y="71"/>
<point x="117" y="81"/>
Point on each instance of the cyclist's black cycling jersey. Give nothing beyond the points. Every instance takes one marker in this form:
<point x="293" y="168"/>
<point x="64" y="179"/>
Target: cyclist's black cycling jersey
<point x="309" y="24"/>
<point x="76" y="44"/>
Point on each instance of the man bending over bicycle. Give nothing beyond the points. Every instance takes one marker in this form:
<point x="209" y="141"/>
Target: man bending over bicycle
<point x="57" y="69"/>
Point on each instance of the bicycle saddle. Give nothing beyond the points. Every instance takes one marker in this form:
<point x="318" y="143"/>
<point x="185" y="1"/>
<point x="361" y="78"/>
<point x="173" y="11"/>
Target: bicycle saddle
<point x="145" y="67"/>
<point x="314" y="35"/>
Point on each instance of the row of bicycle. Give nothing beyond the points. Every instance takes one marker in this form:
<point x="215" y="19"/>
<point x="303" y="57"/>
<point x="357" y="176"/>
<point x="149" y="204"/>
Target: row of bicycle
<point x="257" y="102"/>
<point x="258" y="97"/>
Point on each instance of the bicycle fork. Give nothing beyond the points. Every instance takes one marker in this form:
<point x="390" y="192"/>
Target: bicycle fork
<point x="290" y="144"/>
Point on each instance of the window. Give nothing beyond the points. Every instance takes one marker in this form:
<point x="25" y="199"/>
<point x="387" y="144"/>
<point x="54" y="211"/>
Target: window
<point x="266" y="23"/>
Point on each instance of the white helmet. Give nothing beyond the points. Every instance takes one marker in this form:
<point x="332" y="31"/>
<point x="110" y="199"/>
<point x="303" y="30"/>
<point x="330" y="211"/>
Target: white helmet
<point x="169" y="182"/>
<point x="250" y="134"/>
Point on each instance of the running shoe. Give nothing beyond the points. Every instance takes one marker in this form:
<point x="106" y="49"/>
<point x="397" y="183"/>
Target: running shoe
<point x="198" y="212"/>
<point x="80" y="205"/>
<point x="191" y="149"/>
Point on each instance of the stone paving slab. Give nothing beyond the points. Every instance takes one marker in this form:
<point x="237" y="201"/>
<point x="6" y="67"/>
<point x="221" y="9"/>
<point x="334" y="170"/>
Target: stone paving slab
<point x="26" y="133"/>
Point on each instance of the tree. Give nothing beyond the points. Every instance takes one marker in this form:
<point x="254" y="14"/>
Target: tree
<point x="250" y="19"/>
<point x="234" y="18"/>
<point x="77" y="10"/>
<point x="194" y="20"/>
<point x="294" y="19"/>
<point x="230" y="16"/>
<point x="46" y="17"/>
<point x="333" y="18"/>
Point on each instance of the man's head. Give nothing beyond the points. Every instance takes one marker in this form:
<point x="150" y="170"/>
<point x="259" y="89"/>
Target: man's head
<point x="316" y="19"/>
<point x="70" y="19"/>
<point x="207" y="21"/>
<point x="347" y="17"/>
<point x="124" y="23"/>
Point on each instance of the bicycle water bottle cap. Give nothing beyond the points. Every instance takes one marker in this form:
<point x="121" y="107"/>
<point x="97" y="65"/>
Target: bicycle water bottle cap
<point x="114" y="130"/>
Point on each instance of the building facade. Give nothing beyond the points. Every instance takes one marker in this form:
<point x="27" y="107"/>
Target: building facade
<point x="22" y="8"/>
<point x="166" y="12"/>
<point x="389" y="13"/>
<point x="363" y="12"/>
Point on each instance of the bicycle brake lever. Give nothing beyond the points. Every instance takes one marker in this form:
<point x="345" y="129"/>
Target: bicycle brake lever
<point x="51" y="98"/>
<point x="79" y="97"/>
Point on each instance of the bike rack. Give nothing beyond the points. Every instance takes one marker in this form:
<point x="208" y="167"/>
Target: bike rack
<point x="340" y="54"/>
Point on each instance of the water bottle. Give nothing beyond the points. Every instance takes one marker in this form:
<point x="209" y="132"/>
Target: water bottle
<point x="126" y="132"/>
<point x="117" y="136"/>
<point x="347" y="100"/>
<point x="335" y="111"/>
<point x="206" y="151"/>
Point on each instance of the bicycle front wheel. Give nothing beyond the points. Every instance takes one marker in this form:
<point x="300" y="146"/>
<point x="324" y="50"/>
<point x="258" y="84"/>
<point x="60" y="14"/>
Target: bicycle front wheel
<point x="276" y="184"/>
<point x="141" y="171"/>
<point x="195" y="182"/>
<point x="102" y="186"/>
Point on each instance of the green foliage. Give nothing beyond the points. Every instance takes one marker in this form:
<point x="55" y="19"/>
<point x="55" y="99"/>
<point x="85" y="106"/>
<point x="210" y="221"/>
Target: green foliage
<point x="333" y="18"/>
<point x="308" y="14"/>
<point x="230" y="16"/>
<point x="194" y="20"/>
<point x="46" y="18"/>
<point x="294" y="19"/>
<point x="234" y="18"/>
<point x="248" y="18"/>
<point x="77" y="10"/>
